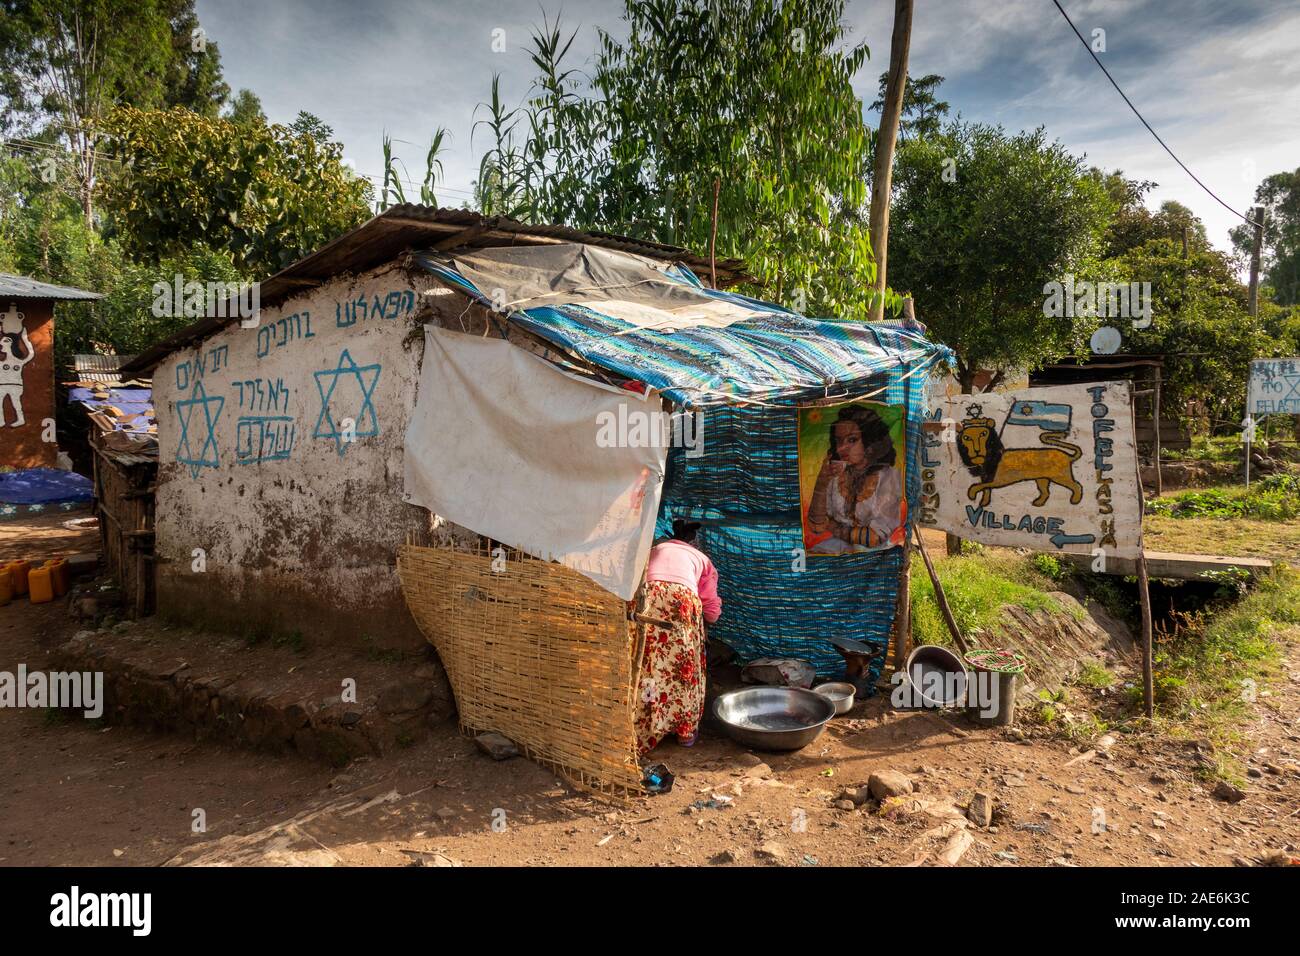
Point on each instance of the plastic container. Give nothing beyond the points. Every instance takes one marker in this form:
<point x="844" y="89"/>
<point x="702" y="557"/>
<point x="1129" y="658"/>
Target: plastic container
<point x="39" y="586"/>
<point x="6" y="586"/>
<point x="59" y="575"/>
<point x="18" y="571"/>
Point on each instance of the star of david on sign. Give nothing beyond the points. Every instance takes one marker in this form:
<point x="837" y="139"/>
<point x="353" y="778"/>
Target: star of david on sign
<point x="366" y="377"/>
<point x="199" y="399"/>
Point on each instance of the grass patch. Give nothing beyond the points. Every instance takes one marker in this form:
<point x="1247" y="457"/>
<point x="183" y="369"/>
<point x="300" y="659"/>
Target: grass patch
<point x="1272" y="498"/>
<point x="977" y="586"/>
<point x="1094" y="675"/>
<point x="1211" y="666"/>
<point x="1234" y="537"/>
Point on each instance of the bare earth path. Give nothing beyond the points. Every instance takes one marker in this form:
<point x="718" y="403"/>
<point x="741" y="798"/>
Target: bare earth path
<point x="75" y="792"/>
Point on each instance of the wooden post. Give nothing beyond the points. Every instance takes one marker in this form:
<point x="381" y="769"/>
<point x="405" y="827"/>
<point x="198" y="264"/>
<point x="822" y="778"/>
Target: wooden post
<point x="883" y="170"/>
<point x="940" y="597"/>
<point x="903" y="604"/>
<point x="1160" y="485"/>
<point x="713" y="234"/>
<point x="1148" y="664"/>
<point x="1255" y="249"/>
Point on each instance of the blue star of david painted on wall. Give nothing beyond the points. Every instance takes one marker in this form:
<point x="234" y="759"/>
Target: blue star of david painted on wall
<point x="185" y="409"/>
<point x="347" y="366"/>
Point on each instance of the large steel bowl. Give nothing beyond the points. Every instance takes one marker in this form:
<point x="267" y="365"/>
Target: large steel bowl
<point x="773" y="718"/>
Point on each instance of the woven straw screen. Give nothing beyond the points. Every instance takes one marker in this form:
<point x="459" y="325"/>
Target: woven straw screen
<point x="534" y="651"/>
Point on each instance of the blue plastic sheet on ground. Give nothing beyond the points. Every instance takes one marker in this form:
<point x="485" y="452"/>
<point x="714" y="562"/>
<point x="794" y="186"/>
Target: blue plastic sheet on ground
<point x="39" y="486"/>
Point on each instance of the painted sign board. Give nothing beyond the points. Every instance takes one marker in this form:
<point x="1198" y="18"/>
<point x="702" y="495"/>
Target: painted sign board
<point x="1274" y="387"/>
<point x="1051" y="469"/>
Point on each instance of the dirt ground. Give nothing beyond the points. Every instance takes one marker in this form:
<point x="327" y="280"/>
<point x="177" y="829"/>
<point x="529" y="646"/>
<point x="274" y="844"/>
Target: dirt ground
<point x="75" y="792"/>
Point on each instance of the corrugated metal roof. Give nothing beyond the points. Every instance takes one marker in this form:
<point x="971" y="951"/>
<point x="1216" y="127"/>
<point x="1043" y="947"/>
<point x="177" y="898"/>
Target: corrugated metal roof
<point x="408" y="227"/>
<point x="21" y="287"/>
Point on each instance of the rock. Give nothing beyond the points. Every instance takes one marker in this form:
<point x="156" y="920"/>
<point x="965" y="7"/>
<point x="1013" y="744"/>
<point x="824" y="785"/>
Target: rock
<point x="421" y="858"/>
<point x="1226" y="791"/>
<point x="404" y="697"/>
<point x="750" y="760"/>
<point x="759" y="770"/>
<point x="730" y="855"/>
<point x="889" y="783"/>
<point x="770" y="851"/>
<point x="980" y="811"/>
<point x="858" y="795"/>
<point x="445" y="813"/>
<point x="1254" y="772"/>
<point x="496" y="746"/>
<point x="846" y="805"/>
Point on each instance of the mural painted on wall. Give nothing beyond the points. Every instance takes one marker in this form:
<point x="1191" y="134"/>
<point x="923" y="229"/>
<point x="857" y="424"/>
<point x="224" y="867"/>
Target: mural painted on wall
<point x="199" y="415"/>
<point x="851" y="477"/>
<point x="1042" y="468"/>
<point x="271" y="402"/>
<point x="395" y="304"/>
<point x="16" y="353"/>
<point x="349" y="389"/>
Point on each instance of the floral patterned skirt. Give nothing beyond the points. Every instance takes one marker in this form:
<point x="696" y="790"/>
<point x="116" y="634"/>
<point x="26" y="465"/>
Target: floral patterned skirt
<point x="670" y="691"/>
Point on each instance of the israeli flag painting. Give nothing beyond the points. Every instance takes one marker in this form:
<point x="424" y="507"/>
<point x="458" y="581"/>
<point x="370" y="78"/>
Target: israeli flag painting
<point x="1045" y="415"/>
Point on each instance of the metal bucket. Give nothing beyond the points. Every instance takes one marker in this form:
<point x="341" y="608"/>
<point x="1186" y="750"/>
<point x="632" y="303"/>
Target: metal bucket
<point x="937" y="677"/>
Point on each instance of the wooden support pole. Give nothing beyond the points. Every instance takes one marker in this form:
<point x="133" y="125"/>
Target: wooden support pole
<point x="883" y="169"/>
<point x="1155" y="422"/>
<point x="940" y="597"/>
<point x="1148" y="664"/>
<point x="713" y="234"/>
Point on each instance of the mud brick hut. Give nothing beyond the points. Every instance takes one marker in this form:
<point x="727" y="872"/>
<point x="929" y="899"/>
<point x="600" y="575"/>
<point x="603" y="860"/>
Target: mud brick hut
<point x="27" y="400"/>
<point x="407" y="443"/>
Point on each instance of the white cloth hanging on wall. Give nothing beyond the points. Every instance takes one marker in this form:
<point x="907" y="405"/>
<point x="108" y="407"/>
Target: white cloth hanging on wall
<point x="505" y="444"/>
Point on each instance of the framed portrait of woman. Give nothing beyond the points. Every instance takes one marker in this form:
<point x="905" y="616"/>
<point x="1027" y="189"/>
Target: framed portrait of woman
<point x="852" y="477"/>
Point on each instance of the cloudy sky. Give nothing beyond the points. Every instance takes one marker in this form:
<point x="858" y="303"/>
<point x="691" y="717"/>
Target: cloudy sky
<point x="1218" y="79"/>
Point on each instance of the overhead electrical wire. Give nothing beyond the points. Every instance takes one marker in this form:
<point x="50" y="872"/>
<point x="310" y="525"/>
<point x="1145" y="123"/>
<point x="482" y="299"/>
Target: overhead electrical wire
<point x="1093" y="54"/>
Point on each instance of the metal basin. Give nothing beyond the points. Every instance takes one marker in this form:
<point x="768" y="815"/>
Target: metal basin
<point x="773" y="718"/>
<point x="839" y="693"/>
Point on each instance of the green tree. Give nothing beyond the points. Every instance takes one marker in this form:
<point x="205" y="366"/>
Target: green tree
<point x="982" y="220"/>
<point x="245" y="109"/>
<point x="1279" y="194"/>
<point x="753" y="95"/>
<point x="923" y="112"/>
<point x="263" y="196"/>
<point x="64" y="64"/>
<point x="1200" y="324"/>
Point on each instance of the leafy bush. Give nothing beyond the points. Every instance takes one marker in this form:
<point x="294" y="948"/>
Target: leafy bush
<point x="1273" y="498"/>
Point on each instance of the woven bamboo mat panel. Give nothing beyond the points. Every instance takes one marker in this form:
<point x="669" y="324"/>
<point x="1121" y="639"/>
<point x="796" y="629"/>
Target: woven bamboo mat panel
<point x="534" y="651"/>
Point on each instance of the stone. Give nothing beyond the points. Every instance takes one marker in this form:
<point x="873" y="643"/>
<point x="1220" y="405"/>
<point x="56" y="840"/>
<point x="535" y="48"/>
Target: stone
<point x="770" y="851"/>
<point x="749" y="759"/>
<point x="730" y="855"/>
<point x="404" y="697"/>
<point x="889" y="783"/>
<point x="496" y="746"/>
<point x="759" y="770"/>
<point x="846" y="805"/>
<point x="1226" y="791"/>
<point x="1254" y="772"/>
<point x="858" y="795"/>
<point x="421" y="858"/>
<point x="445" y="813"/>
<point x="980" y="811"/>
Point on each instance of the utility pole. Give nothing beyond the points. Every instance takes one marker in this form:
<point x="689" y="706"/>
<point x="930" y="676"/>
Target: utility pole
<point x="1255" y="249"/>
<point x="883" y="172"/>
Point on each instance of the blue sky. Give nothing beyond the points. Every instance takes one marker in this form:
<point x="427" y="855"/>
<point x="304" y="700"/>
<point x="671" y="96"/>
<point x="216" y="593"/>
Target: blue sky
<point x="1218" y="79"/>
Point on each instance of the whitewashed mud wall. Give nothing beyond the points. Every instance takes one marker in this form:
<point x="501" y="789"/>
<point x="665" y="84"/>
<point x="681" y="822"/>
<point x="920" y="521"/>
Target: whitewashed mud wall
<point x="298" y="526"/>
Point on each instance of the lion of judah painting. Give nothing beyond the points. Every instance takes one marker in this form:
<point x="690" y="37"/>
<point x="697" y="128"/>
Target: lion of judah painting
<point x="981" y="450"/>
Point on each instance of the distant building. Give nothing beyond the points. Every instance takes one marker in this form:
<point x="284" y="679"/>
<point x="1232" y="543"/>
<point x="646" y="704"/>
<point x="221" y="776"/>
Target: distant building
<point x="27" y="369"/>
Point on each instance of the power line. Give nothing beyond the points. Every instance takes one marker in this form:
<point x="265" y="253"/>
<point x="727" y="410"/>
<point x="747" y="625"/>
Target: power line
<point x="1093" y="54"/>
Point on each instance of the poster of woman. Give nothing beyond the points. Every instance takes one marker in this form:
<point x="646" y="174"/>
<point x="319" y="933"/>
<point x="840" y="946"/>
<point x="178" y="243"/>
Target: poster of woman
<point x="851" y="477"/>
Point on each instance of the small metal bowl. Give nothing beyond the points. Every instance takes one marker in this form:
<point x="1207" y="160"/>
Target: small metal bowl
<point x="773" y="718"/>
<point x="838" y="693"/>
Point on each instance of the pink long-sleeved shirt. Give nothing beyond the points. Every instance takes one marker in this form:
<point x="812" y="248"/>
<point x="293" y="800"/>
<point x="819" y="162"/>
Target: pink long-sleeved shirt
<point x="681" y="563"/>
